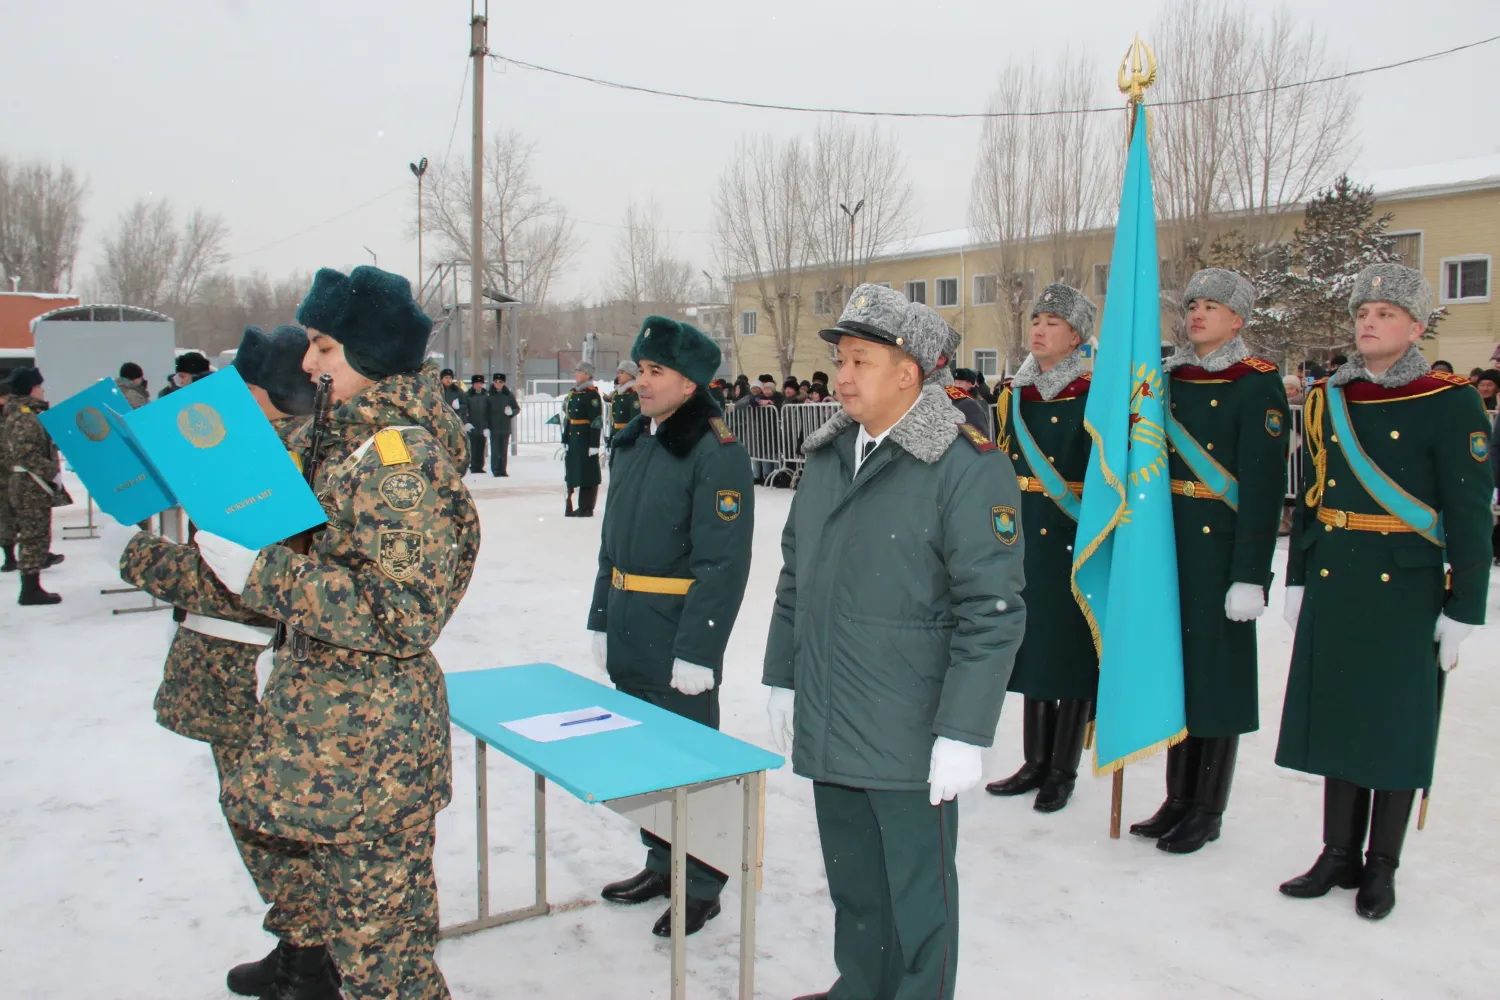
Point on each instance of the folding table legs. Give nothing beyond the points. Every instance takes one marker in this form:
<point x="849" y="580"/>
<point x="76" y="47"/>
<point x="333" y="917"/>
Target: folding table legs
<point x="679" y="892"/>
<point x="753" y="788"/>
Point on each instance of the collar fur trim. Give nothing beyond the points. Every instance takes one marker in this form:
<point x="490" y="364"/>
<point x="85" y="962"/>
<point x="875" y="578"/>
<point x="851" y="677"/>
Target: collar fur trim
<point x="924" y="433"/>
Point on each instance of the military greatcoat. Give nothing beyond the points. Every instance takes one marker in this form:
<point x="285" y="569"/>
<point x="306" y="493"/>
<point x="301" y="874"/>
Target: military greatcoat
<point x="582" y="423"/>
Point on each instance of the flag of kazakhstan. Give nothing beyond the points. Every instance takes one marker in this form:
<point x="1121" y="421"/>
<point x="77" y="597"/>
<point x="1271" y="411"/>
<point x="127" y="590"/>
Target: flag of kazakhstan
<point x="1125" y="559"/>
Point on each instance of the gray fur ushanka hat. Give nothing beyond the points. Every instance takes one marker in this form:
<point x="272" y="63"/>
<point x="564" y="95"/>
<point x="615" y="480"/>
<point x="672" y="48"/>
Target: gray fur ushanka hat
<point x="1400" y="286"/>
<point x="1069" y="305"/>
<point x="1218" y="285"/>
<point x="928" y="336"/>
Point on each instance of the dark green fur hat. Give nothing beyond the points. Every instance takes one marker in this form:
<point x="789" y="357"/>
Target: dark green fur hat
<point x="679" y="346"/>
<point x="373" y="314"/>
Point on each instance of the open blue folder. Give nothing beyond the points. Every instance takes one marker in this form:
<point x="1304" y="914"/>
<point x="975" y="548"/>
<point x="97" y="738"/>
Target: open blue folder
<point x="89" y="431"/>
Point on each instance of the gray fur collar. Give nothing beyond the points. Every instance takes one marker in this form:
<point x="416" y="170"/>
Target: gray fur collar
<point x="924" y="433"/>
<point x="1409" y="368"/>
<point x="1049" y="383"/>
<point x="940" y="377"/>
<point x="1231" y="353"/>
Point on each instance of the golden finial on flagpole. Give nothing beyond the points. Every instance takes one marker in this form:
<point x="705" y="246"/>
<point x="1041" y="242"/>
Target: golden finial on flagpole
<point x="1137" y="71"/>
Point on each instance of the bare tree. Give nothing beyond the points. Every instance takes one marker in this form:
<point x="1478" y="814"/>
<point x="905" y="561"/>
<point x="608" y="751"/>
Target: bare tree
<point x="645" y="269"/>
<point x="200" y="252"/>
<point x="140" y="256"/>
<point x="1082" y="167"/>
<point x="761" y="221"/>
<point x="41" y="221"/>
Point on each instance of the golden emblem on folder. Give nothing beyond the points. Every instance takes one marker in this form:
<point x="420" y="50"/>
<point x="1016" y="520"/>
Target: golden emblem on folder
<point x="92" y="423"/>
<point x="201" y="425"/>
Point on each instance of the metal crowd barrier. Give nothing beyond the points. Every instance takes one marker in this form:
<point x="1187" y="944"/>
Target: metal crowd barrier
<point x="774" y="437"/>
<point x="1294" y="454"/>
<point x="535" y="425"/>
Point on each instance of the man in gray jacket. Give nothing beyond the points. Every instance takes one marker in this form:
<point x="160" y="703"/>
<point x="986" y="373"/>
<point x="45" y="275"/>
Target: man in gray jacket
<point x="897" y="619"/>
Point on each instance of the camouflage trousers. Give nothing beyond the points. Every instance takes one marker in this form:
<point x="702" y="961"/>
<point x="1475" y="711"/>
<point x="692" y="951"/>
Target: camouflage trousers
<point x="7" y="517"/>
<point x="31" y="508"/>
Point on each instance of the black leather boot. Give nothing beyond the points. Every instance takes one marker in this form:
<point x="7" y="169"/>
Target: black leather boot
<point x="303" y="974"/>
<point x="1038" y="722"/>
<point x="568" y="511"/>
<point x="1182" y="779"/>
<point x="699" y="912"/>
<point x="53" y="559"/>
<point x="1206" y="818"/>
<point x="254" y="978"/>
<point x="32" y="592"/>
<point x="10" y="559"/>
<point x="639" y="888"/>
<point x="1346" y="815"/>
<point x="587" y="497"/>
<point x="1067" y="751"/>
<point x="1377" y="883"/>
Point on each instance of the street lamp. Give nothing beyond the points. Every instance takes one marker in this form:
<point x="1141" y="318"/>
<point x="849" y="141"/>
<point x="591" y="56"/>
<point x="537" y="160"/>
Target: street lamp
<point x="853" y="214"/>
<point x="373" y="258"/>
<point x="418" y="169"/>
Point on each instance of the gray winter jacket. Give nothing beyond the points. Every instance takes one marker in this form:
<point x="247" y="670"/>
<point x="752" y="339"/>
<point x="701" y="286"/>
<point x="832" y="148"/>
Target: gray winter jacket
<point x="899" y="612"/>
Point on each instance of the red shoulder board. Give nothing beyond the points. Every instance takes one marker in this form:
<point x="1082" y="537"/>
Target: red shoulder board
<point x="721" y="429"/>
<point x="954" y="392"/>
<point x="977" y="438"/>
<point x="1078" y="387"/>
<point x="1192" y="373"/>
<point x="1260" y="364"/>
<point x="1448" y="377"/>
<point x="1368" y="392"/>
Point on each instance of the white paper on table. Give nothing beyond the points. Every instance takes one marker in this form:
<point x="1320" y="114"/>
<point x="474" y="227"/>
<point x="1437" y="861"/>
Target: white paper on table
<point x="566" y="725"/>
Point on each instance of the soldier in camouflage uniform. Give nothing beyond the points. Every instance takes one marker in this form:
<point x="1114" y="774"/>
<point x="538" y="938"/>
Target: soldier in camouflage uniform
<point x="7" y="516"/>
<point x="35" y="487"/>
<point x="349" y="754"/>
<point x="582" y="419"/>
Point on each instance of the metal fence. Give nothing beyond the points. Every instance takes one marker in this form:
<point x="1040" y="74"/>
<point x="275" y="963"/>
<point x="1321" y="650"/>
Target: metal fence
<point x="539" y="422"/>
<point x="774" y="436"/>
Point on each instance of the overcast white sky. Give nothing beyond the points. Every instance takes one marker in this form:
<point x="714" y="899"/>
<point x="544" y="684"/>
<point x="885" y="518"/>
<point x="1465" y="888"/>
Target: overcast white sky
<point x="280" y="114"/>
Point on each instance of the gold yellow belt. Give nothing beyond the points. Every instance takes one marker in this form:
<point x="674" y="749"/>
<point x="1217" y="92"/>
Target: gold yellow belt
<point x="650" y="584"/>
<point x="1192" y="488"/>
<point x="1350" y="521"/>
<point x="1031" y="484"/>
<point x="618" y="426"/>
<point x="577" y="421"/>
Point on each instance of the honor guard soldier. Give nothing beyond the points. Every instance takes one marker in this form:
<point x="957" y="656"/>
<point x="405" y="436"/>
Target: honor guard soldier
<point x="1041" y="427"/>
<point x="1396" y="484"/>
<point x="625" y="404"/>
<point x="35" y="483"/>
<point x="674" y="556"/>
<point x="1227" y="449"/>
<point x="501" y="409"/>
<point x="478" y="403"/>
<point x="925" y="317"/>
<point x="453" y="395"/>
<point x="897" y="618"/>
<point x="582" y="423"/>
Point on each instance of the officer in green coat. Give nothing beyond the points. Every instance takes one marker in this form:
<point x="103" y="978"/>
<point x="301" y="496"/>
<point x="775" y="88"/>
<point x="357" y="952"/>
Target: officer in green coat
<point x="582" y="426"/>
<point x="674" y="556"/>
<point x="1396" y="484"/>
<point x="1041" y="427"/>
<point x="624" y="404"/>
<point x="478" y="403"/>
<point x="1227" y="448"/>
<point x="897" y="618"/>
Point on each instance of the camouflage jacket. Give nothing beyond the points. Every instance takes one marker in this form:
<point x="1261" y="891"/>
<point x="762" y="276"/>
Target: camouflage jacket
<point x="135" y="394"/>
<point x="352" y="743"/>
<point x="24" y="443"/>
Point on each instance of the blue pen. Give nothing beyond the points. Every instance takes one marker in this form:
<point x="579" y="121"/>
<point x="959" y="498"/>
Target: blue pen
<point x="579" y="722"/>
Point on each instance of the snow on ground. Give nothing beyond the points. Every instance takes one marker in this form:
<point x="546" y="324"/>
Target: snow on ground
<point x="119" y="880"/>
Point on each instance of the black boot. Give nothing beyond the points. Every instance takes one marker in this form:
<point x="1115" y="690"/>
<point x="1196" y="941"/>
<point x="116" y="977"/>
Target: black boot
<point x="568" y="512"/>
<point x="1182" y="779"/>
<point x="1038" y="722"/>
<point x="699" y="912"/>
<point x="254" y="978"/>
<point x="1377" y="883"/>
<point x="639" y="888"/>
<point x="10" y="559"/>
<point x="1346" y="814"/>
<point x="1205" y="819"/>
<point x="53" y="559"/>
<point x="587" y="497"/>
<point x="303" y="974"/>
<point x="1067" y="751"/>
<point x="32" y="592"/>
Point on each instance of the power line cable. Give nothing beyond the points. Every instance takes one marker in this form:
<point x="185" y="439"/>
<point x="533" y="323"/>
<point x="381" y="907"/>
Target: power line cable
<point x="462" y="89"/>
<point x="732" y="102"/>
<point x="319" y="225"/>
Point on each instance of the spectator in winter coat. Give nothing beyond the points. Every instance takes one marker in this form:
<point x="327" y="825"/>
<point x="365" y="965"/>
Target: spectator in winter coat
<point x="1488" y="386"/>
<point x="190" y="367"/>
<point x="1443" y="366"/>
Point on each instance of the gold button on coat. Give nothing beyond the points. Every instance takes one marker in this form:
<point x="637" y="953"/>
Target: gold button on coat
<point x="1322" y="572"/>
<point x="1395" y="435"/>
<point x="1213" y="402"/>
<point x="1205" y="529"/>
<point x="1333" y="482"/>
<point x="1054" y="420"/>
<point x="1385" y="578"/>
<point x="1044" y="531"/>
<point x="1210" y="446"/>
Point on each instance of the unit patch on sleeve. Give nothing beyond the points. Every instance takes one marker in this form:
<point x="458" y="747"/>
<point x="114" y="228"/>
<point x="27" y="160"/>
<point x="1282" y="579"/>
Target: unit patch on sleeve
<point x="1479" y="446"/>
<point x="1273" y="423"/>
<point x="403" y="490"/>
<point x="1007" y="528"/>
<point x="400" y="554"/>
<point x="727" y="504"/>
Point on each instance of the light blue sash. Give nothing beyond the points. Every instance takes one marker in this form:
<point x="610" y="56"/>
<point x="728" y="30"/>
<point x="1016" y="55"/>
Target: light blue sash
<point x="1208" y="471"/>
<point x="1052" y="481"/>
<point x="1421" y="518"/>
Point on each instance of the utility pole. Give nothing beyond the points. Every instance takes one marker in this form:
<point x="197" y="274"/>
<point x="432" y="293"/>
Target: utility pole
<point x="853" y="214"/>
<point x="418" y="169"/>
<point x="478" y="49"/>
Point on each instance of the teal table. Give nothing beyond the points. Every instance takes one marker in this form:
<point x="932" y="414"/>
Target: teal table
<point x="682" y="780"/>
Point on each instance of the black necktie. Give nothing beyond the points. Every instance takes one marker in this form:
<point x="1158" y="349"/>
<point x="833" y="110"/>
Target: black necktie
<point x="869" y="447"/>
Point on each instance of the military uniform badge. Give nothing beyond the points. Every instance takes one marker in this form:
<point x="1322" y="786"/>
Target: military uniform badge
<point x="403" y="490"/>
<point x="1007" y="527"/>
<point x="727" y="504"/>
<point x="1479" y="446"/>
<point x="1274" y="423"/>
<point x="400" y="554"/>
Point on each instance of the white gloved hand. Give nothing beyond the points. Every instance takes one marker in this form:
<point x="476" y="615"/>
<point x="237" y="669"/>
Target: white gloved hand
<point x="593" y="451"/>
<point x="956" y="767"/>
<point x="114" y="538"/>
<point x="469" y="428"/>
<point x="1244" y="602"/>
<point x="781" y="707"/>
<point x="486" y="433"/>
<point x="1293" y="609"/>
<point x="690" y="679"/>
<point x="601" y="651"/>
<point x="1449" y="635"/>
<point x="230" y="561"/>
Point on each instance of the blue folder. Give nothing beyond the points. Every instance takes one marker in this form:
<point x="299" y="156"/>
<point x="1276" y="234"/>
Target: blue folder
<point x="224" y="462"/>
<point x="91" y="434"/>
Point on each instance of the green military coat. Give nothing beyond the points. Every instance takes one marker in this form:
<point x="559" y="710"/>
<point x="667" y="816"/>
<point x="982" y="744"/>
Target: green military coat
<point x="501" y="407"/>
<point x="582" y="420"/>
<point x="1057" y="658"/>
<point x="1239" y="414"/>
<point x="1361" y="699"/>
<point x="624" y="408"/>
<point x="681" y="506"/>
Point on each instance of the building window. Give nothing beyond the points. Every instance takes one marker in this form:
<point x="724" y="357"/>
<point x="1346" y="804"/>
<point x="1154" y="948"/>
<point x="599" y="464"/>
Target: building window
<point x="916" y="291"/>
<point x="1466" y="279"/>
<point x="882" y="284"/>
<point x="1101" y="279"/>
<point x="747" y="323"/>
<point x="986" y="289"/>
<point x="821" y="303"/>
<point x="947" y="292"/>
<point x="1408" y="249"/>
<point x="987" y="361"/>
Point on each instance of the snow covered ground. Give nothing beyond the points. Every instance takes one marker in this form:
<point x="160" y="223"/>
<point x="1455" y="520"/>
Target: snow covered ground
<point x="119" y="880"/>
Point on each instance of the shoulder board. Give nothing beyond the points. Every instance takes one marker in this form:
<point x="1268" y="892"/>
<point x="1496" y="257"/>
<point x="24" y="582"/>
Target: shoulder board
<point x="1321" y="383"/>
<point x="1075" y="388"/>
<point x="391" y="447"/>
<point x="1368" y="392"/>
<point x="1448" y="377"/>
<point x="721" y="429"/>
<point x="26" y="409"/>
<point x="954" y="392"/>
<point x="977" y="438"/>
<point x="1087" y="376"/>
<point x="1260" y="364"/>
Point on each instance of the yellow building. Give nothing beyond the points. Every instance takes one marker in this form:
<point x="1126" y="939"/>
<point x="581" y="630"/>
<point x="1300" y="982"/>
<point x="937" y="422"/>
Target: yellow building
<point x="1446" y="221"/>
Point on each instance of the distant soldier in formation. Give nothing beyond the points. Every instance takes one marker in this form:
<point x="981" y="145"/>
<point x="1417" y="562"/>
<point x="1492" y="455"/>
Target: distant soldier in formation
<point x="190" y="366"/>
<point x="453" y="395"/>
<point x="478" y="403"/>
<point x="625" y="403"/>
<point x="582" y="427"/>
<point x="1227" y="431"/>
<point x="132" y="385"/>
<point x="501" y="410"/>
<point x="924" y="317"/>
<point x="34" y="472"/>
<point x="1396" y="483"/>
<point x="1041" y="427"/>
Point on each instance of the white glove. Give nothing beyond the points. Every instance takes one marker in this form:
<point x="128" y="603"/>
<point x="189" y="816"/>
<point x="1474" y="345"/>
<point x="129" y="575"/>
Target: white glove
<point x="114" y="537"/>
<point x="486" y="433"/>
<point x="1293" y="609"/>
<point x="1449" y="635"/>
<point x="956" y="767"/>
<point x="469" y="428"/>
<point x="601" y="651"/>
<point x="457" y="405"/>
<point x="1244" y="602"/>
<point x="690" y="679"/>
<point x="782" y="709"/>
<point x="230" y="561"/>
<point x="593" y="451"/>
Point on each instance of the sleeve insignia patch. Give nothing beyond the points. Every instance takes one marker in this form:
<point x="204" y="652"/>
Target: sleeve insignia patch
<point x="391" y="447"/>
<point x="1479" y="446"/>
<point x="403" y="490"/>
<point x="1007" y="527"/>
<point x="1274" y="422"/>
<point x="976" y="437"/>
<point x="725" y="435"/>
<point x="400" y="554"/>
<point x="727" y="504"/>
